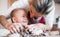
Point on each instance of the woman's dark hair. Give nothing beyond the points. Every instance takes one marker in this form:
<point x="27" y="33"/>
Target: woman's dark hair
<point x="41" y="6"/>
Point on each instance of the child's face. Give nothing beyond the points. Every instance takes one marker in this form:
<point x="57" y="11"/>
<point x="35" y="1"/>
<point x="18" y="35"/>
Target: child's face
<point x="21" y="17"/>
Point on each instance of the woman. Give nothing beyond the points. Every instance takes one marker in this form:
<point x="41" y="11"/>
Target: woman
<point x="41" y="8"/>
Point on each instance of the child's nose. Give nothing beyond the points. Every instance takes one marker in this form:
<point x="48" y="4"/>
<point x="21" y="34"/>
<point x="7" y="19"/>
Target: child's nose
<point x="25" y="18"/>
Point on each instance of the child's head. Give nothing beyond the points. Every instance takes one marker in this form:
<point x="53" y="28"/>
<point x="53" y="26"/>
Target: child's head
<point x="19" y="16"/>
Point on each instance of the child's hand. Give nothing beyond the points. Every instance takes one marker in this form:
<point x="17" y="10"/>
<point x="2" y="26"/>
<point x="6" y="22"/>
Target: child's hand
<point x="14" y="27"/>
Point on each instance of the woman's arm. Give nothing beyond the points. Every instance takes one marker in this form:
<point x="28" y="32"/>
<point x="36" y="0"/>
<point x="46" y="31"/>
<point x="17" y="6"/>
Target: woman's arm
<point x="14" y="27"/>
<point x="50" y="18"/>
<point x="3" y="21"/>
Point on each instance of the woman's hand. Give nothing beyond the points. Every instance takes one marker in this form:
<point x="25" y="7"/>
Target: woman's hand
<point x="14" y="27"/>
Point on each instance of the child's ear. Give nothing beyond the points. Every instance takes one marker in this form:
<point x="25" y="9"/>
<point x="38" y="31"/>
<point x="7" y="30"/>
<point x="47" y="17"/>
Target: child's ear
<point x="14" y="19"/>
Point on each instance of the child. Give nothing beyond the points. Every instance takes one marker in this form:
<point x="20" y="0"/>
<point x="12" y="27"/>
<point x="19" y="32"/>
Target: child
<point x="19" y="15"/>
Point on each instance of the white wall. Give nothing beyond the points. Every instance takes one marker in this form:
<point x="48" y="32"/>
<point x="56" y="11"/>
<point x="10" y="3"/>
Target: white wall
<point x="57" y="10"/>
<point x="3" y="5"/>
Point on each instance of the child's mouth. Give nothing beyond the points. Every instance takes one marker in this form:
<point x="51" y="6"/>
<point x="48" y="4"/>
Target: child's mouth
<point x="24" y="22"/>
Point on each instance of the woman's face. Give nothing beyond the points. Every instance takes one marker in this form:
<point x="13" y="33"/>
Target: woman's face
<point x="33" y="12"/>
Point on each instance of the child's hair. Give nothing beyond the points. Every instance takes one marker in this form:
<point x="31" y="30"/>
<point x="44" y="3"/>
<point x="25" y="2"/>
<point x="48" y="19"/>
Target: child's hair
<point x="42" y="6"/>
<point x="13" y="12"/>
